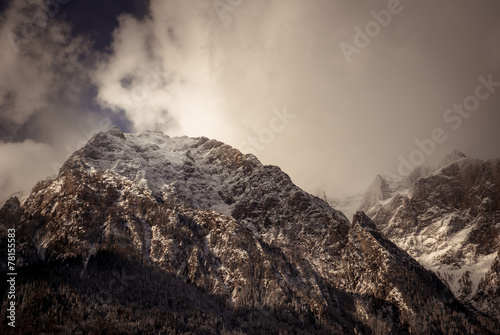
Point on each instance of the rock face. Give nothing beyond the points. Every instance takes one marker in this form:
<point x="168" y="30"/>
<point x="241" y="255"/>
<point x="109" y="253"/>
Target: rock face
<point x="147" y="233"/>
<point x="378" y="191"/>
<point x="449" y="221"/>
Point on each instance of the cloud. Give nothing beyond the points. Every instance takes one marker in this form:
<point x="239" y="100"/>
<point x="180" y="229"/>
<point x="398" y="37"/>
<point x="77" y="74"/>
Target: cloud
<point x="159" y="71"/>
<point x="225" y="70"/>
<point x="39" y="66"/>
<point x="21" y="88"/>
<point x="23" y="165"/>
<point x="45" y="90"/>
<point x="189" y="69"/>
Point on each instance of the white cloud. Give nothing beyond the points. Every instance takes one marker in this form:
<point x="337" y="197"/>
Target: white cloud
<point x="160" y="71"/>
<point x="224" y="77"/>
<point x="199" y="74"/>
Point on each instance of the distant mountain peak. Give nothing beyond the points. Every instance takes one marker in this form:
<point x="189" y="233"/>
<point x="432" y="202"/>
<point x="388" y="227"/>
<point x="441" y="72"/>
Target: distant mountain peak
<point x="378" y="190"/>
<point x="116" y="131"/>
<point x="447" y="220"/>
<point x="453" y="156"/>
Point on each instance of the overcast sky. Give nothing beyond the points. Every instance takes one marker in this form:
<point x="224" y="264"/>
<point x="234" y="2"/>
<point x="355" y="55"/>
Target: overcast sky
<point x="334" y="92"/>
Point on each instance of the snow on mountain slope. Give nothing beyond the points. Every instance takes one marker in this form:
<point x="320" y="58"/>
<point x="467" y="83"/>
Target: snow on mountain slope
<point x="166" y="166"/>
<point x="236" y="235"/>
<point x="449" y="220"/>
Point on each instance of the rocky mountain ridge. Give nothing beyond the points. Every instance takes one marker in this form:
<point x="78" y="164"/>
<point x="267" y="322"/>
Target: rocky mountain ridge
<point x="147" y="233"/>
<point x="448" y="219"/>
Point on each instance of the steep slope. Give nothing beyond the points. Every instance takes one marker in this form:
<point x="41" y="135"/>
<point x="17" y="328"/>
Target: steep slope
<point x="379" y="190"/>
<point x="450" y="222"/>
<point x="181" y="234"/>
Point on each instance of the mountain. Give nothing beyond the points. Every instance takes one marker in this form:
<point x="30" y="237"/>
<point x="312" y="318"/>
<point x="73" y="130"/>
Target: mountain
<point x="144" y="233"/>
<point x="448" y="219"/>
<point x="379" y="190"/>
<point x="348" y="205"/>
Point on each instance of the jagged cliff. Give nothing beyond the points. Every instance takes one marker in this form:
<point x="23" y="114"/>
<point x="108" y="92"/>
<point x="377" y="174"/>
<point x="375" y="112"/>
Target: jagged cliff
<point x="448" y="219"/>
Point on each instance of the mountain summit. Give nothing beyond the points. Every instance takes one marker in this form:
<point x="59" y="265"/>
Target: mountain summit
<point x="448" y="220"/>
<point x="144" y="233"/>
<point x="450" y="158"/>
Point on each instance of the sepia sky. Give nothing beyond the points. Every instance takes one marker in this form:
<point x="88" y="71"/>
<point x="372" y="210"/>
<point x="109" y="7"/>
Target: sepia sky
<point x="334" y="92"/>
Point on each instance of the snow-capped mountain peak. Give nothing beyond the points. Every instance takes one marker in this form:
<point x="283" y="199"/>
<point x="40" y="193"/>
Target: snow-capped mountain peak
<point x="179" y="166"/>
<point x="215" y="236"/>
<point x="449" y="220"/>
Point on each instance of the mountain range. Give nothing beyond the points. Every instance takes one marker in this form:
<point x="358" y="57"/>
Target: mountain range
<point x="448" y="219"/>
<point x="151" y="234"/>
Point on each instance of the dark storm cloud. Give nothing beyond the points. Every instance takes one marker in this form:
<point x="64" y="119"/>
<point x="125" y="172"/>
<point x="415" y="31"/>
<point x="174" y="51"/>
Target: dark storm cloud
<point x="98" y="18"/>
<point x="47" y="106"/>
